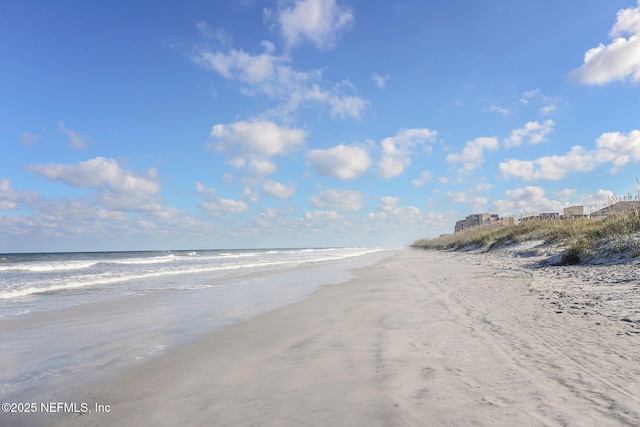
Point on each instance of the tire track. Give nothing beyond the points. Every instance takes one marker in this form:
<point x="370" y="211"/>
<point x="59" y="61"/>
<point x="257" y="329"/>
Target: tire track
<point x="519" y="352"/>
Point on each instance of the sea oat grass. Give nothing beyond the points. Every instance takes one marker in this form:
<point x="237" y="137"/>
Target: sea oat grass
<point x="580" y="235"/>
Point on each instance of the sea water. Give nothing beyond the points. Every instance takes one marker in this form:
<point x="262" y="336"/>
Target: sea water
<point x="69" y="318"/>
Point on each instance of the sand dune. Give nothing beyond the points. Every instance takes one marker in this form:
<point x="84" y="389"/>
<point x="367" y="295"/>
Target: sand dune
<point x="421" y="338"/>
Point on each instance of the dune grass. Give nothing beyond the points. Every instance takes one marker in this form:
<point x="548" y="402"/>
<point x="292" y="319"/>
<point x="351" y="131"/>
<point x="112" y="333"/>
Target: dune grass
<point x="580" y="235"/>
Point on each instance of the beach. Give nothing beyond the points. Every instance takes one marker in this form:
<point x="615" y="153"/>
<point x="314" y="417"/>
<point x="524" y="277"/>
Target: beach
<point x="418" y="338"/>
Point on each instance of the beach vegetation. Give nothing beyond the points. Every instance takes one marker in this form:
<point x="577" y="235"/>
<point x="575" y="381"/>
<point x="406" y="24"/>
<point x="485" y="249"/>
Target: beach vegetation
<point x="618" y="232"/>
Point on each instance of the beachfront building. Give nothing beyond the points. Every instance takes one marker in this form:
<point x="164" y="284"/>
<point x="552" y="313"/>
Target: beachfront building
<point x="529" y="218"/>
<point x="573" y="212"/>
<point x="549" y="216"/>
<point x="618" y="208"/>
<point x="481" y="220"/>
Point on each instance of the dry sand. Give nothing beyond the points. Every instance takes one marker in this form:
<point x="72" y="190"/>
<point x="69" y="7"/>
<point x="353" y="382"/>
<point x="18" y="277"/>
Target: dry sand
<point x="421" y="338"/>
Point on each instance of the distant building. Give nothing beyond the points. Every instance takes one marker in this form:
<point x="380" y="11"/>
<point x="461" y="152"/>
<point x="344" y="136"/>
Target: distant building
<point x="573" y="212"/>
<point x="618" y="208"/>
<point x="549" y="216"/>
<point x="507" y="220"/>
<point x="567" y="213"/>
<point x="481" y="220"/>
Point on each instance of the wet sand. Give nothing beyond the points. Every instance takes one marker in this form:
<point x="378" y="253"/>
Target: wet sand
<point x="421" y="338"/>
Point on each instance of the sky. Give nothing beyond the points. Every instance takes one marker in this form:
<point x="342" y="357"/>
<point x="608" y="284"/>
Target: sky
<point x="143" y="125"/>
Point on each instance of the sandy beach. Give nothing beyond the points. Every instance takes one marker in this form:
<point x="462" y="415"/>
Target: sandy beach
<point x="420" y="338"/>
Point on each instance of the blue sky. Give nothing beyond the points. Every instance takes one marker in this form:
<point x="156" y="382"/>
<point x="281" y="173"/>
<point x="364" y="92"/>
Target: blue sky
<point x="294" y="123"/>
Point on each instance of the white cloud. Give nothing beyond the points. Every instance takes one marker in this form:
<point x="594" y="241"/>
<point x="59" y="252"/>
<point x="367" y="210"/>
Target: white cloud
<point x="28" y="139"/>
<point x="342" y="200"/>
<point x="203" y="189"/>
<point x="341" y="161"/>
<point x="276" y="222"/>
<point x="549" y="108"/>
<point x="254" y="143"/>
<point x="612" y="147"/>
<point x="336" y="98"/>
<point x="223" y="37"/>
<point x="532" y="133"/>
<point x="317" y="21"/>
<point x="599" y="199"/>
<point x="527" y="200"/>
<point x="528" y="96"/>
<point x="279" y="190"/>
<point x="70" y="210"/>
<point x="397" y="150"/>
<point x="380" y="81"/>
<point x="390" y="224"/>
<point x="255" y="70"/>
<point x="566" y="194"/>
<point x="425" y="177"/>
<point x="7" y="205"/>
<point x="75" y="139"/>
<point x="390" y="211"/>
<point x="322" y="216"/>
<point x="476" y="203"/>
<point x="472" y="156"/>
<point x="272" y="75"/>
<point x="457" y="196"/>
<point x="250" y="195"/>
<point x="618" y="148"/>
<point x="619" y="60"/>
<point x="388" y="203"/>
<point x="222" y="207"/>
<point x="547" y="105"/>
<point x="256" y="166"/>
<point x="262" y="167"/>
<point x="550" y="167"/>
<point x="236" y="162"/>
<point x="10" y="199"/>
<point x="55" y="224"/>
<point x="499" y="109"/>
<point x="118" y="188"/>
<point x="470" y="196"/>
<point x="204" y="29"/>
<point x="216" y="206"/>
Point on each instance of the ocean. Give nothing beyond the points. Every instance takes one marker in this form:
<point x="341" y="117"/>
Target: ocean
<point x="69" y="318"/>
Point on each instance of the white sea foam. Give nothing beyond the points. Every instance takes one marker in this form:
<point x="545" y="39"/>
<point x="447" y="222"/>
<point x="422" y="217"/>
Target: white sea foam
<point x="47" y="266"/>
<point x="107" y="273"/>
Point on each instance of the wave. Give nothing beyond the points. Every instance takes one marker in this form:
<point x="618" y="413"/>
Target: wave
<point x="109" y="279"/>
<point x="262" y="260"/>
<point x="44" y="267"/>
<point x="192" y="253"/>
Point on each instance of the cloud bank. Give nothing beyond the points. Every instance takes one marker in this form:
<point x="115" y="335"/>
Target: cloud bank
<point x="615" y="148"/>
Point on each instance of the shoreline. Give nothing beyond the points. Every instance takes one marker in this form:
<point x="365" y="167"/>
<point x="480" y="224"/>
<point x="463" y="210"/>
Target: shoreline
<point x="50" y="350"/>
<point x="419" y="338"/>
